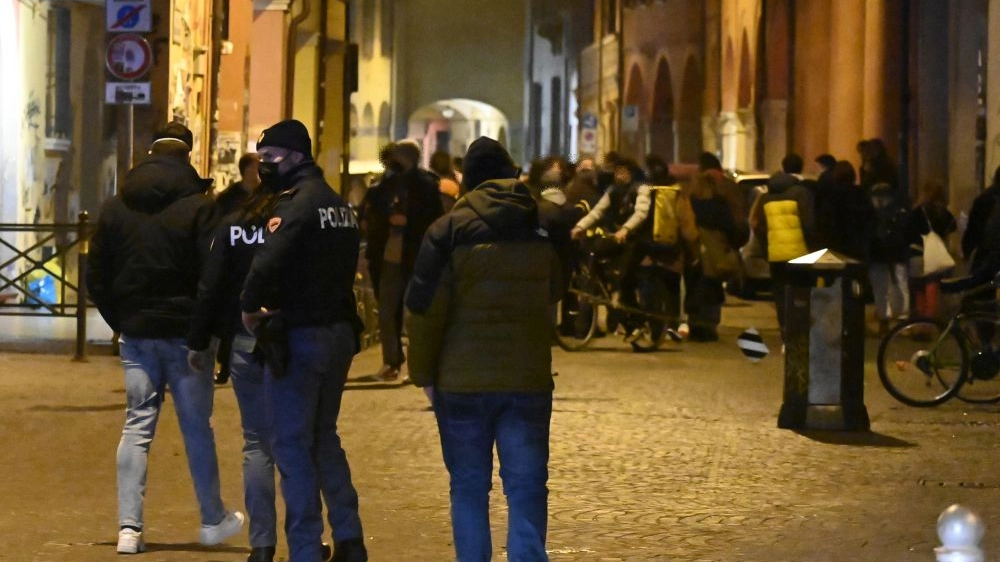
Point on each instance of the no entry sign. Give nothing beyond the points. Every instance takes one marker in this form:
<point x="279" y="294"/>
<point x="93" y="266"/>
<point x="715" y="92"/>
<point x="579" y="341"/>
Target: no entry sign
<point x="128" y="56"/>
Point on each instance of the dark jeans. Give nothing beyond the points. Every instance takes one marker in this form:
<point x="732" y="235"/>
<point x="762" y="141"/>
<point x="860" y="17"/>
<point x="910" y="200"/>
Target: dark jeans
<point x="390" y="313"/>
<point x="518" y="423"/>
<point x="779" y="282"/>
<point x="303" y="407"/>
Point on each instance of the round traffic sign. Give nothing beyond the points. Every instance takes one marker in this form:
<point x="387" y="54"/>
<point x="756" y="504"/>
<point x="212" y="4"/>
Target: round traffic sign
<point x="128" y="56"/>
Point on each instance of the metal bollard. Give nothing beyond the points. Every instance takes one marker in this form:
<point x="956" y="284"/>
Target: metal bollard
<point x="960" y="529"/>
<point x="83" y="242"/>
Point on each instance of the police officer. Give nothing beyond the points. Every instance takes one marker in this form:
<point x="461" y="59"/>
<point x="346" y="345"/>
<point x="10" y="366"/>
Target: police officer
<point x="303" y="276"/>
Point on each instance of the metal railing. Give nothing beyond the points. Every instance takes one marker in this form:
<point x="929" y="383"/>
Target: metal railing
<point x="71" y="298"/>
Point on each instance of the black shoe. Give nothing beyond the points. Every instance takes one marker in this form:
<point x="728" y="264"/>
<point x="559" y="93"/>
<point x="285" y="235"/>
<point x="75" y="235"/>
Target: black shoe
<point x="261" y="554"/>
<point x="222" y="377"/>
<point x="351" y="550"/>
<point x="327" y="552"/>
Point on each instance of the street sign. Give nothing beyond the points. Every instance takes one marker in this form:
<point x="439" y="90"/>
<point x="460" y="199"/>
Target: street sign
<point x="124" y="16"/>
<point x="127" y="93"/>
<point x="588" y="133"/>
<point x="630" y="118"/>
<point x="128" y="56"/>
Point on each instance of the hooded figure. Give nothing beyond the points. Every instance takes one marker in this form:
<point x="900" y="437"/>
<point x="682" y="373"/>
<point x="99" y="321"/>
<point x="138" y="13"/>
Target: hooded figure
<point x="146" y="256"/>
<point x="480" y="346"/>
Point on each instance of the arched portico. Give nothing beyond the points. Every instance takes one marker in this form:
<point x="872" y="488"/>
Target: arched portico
<point x="452" y="124"/>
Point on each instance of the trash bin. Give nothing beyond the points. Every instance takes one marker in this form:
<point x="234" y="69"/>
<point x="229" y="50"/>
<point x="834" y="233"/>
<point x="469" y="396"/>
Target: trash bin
<point x="825" y="344"/>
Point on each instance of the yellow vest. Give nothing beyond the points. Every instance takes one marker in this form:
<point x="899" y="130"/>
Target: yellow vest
<point x="784" y="231"/>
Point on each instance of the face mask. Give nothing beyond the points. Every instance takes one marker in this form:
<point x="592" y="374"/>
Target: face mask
<point x="269" y="174"/>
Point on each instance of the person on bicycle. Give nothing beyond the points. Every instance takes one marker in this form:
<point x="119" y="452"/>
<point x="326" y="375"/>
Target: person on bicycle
<point x="623" y="209"/>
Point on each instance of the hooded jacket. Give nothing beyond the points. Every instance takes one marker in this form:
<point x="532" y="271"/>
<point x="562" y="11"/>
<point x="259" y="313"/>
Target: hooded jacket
<point x="783" y="217"/>
<point x="484" y="280"/>
<point x="148" y="249"/>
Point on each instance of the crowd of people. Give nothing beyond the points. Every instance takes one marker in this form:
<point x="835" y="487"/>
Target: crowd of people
<point x="461" y="256"/>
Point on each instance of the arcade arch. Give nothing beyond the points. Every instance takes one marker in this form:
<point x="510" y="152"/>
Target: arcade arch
<point x="452" y="124"/>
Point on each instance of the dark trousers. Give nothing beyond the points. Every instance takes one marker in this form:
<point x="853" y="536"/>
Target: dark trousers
<point x="518" y="423"/>
<point x="303" y="407"/>
<point x="392" y="287"/>
<point x="779" y="282"/>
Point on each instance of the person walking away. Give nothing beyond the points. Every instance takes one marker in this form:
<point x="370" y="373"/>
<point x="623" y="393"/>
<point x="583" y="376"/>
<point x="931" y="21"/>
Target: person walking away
<point x="146" y="255"/>
<point x="712" y="217"/>
<point x="226" y="202"/>
<point x="979" y="215"/>
<point x="783" y="219"/>
<point x="300" y="294"/>
<point x="490" y="381"/>
<point x="397" y="214"/>
<point x="441" y="164"/>
<point x="930" y="214"/>
<point x="844" y="214"/>
<point x="889" y="251"/>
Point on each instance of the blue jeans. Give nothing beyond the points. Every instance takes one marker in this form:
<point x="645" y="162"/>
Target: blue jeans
<point x="303" y="407"/>
<point x="150" y="366"/>
<point x="258" y="462"/>
<point x="518" y="423"/>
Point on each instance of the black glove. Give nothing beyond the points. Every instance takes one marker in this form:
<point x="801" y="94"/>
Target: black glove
<point x="272" y="345"/>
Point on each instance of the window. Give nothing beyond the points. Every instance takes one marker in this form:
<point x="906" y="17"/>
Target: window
<point x="367" y="28"/>
<point x="555" y="117"/>
<point x="386" y="28"/>
<point x="58" y="117"/>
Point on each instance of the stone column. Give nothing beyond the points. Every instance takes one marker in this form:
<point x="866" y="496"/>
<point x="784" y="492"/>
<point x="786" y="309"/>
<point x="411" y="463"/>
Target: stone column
<point x="268" y="65"/>
<point x="992" y="89"/>
<point x="873" y="94"/>
<point x="846" y="84"/>
<point x="811" y="79"/>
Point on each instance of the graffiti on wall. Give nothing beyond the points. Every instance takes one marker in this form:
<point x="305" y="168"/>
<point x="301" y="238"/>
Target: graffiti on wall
<point x="225" y="167"/>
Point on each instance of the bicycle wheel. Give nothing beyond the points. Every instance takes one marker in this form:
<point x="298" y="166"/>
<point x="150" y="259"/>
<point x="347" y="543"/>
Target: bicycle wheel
<point x="921" y="364"/>
<point x="576" y="315"/>
<point x="982" y="385"/>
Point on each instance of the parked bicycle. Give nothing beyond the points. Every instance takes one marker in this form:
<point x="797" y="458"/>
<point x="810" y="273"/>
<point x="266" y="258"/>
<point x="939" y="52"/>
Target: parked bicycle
<point x="593" y="285"/>
<point x="925" y="362"/>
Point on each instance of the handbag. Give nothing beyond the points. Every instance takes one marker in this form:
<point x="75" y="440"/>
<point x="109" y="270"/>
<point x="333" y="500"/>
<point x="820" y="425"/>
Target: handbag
<point x="934" y="257"/>
<point x="719" y="260"/>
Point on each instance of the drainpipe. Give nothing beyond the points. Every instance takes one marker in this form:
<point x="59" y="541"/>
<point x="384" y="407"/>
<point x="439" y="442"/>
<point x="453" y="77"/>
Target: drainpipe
<point x="293" y="30"/>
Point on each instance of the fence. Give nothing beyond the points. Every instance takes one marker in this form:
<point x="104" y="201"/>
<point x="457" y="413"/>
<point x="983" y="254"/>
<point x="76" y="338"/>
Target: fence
<point x="54" y="285"/>
<point x="44" y="285"/>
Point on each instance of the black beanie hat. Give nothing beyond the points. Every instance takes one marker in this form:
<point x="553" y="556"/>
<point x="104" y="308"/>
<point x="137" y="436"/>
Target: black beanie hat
<point x="486" y="160"/>
<point x="176" y="131"/>
<point x="290" y="134"/>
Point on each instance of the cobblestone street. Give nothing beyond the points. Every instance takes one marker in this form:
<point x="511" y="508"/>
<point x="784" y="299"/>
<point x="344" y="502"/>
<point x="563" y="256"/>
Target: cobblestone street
<point x="673" y="455"/>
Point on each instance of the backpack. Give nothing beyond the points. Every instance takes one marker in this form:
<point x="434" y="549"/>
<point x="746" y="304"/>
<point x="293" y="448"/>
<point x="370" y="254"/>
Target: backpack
<point x="889" y="237"/>
<point x="665" y="224"/>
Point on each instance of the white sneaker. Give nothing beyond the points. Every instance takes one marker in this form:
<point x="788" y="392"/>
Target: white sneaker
<point x="215" y="534"/>
<point x="130" y="542"/>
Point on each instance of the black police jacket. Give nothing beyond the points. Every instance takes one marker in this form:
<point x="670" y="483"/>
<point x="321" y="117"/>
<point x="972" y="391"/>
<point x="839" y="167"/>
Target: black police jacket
<point x="309" y="257"/>
<point x="148" y="248"/>
<point x="217" y="311"/>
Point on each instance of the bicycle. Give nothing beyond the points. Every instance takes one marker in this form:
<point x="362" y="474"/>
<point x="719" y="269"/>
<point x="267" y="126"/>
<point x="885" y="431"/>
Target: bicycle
<point x="592" y="285"/>
<point x="925" y="362"/>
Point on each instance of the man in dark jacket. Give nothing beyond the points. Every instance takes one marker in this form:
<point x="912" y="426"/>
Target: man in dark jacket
<point x="145" y="258"/>
<point x="480" y="346"/>
<point x="302" y="278"/>
<point x="396" y="214"/>
<point x="979" y="216"/>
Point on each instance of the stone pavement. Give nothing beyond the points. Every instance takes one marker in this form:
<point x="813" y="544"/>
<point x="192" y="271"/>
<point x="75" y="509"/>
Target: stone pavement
<point x="672" y="455"/>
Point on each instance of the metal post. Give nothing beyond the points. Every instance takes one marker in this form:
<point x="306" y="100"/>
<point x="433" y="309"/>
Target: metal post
<point x="83" y="242"/>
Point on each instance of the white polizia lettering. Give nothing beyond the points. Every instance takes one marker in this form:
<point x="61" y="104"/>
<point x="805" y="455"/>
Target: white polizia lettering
<point x="238" y="233"/>
<point x="337" y="217"/>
